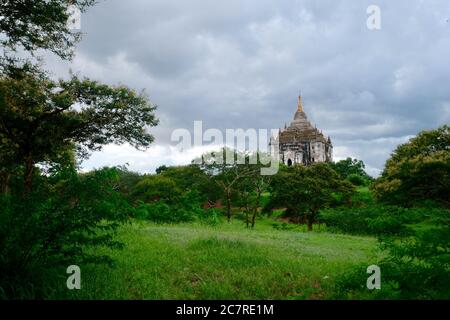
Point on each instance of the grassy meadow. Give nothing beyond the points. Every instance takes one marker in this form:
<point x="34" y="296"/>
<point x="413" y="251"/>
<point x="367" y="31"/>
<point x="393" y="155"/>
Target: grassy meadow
<point x="227" y="261"/>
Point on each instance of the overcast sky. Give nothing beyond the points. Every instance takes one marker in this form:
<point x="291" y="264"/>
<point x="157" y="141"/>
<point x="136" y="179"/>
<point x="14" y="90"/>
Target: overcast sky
<point x="241" y="64"/>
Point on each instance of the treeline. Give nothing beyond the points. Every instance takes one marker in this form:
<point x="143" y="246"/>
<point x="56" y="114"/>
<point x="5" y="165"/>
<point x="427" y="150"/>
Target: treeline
<point x="215" y="189"/>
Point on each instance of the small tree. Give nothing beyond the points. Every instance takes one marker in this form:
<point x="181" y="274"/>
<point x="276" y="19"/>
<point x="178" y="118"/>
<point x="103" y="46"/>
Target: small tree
<point x="251" y="189"/>
<point x="227" y="174"/>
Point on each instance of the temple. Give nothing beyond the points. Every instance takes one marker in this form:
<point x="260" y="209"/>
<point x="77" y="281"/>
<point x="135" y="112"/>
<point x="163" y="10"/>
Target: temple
<point x="301" y="143"/>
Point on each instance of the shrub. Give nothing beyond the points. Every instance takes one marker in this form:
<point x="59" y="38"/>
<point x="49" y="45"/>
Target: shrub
<point x="156" y="188"/>
<point x="55" y="225"/>
<point x="414" y="267"/>
<point x="372" y="220"/>
<point x="186" y="209"/>
<point x="356" y="180"/>
<point x="210" y="217"/>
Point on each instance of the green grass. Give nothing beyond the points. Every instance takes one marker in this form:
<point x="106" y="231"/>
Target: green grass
<point x="228" y="261"/>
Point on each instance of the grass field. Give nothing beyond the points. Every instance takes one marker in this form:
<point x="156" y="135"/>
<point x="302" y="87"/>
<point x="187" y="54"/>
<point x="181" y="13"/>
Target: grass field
<point x="228" y="261"/>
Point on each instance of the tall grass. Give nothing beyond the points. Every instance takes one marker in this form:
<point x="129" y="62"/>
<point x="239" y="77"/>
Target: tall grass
<point x="228" y="261"/>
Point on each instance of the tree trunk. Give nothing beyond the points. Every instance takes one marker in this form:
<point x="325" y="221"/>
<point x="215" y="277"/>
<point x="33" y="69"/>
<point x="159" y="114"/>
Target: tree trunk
<point x="228" y="205"/>
<point x="246" y="219"/>
<point x="255" y="211"/>
<point x="309" y="223"/>
<point x="28" y="177"/>
<point x="310" y="219"/>
<point x="4" y="182"/>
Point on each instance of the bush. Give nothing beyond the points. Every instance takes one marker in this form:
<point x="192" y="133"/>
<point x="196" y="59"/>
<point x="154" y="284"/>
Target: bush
<point x="356" y="180"/>
<point x="415" y="267"/>
<point x="210" y="217"/>
<point x="188" y="208"/>
<point x="161" y="212"/>
<point x="55" y="225"/>
<point x="156" y="188"/>
<point x="372" y="220"/>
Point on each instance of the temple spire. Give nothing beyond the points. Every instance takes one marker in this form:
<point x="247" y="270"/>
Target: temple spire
<point x="300" y="106"/>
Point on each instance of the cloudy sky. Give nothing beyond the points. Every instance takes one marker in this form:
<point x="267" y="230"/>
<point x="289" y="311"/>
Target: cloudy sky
<point x="241" y="64"/>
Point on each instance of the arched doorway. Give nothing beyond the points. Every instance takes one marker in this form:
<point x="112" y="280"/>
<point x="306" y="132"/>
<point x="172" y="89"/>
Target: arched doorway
<point x="289" y="162"/>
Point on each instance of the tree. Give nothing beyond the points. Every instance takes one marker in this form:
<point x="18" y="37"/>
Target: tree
<point x="250" y="189"/>
<point x="303" y="191"/>
<point x="157" y="188"/>
<point x="351" y="169"/>
<point x="189" y="177"/>
<point x="227" y="174"/>
<point x="127" y="180"/>
<point x="39" y="24"/>
<point x="161" y="169"/>
<point x="418" y="171"/>
<point x="42" y="119"/>
<point x="65" y="216"/>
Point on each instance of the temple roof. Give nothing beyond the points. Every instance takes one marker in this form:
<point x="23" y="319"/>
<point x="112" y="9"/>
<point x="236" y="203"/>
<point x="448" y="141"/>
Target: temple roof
<point x="300" y="129"/>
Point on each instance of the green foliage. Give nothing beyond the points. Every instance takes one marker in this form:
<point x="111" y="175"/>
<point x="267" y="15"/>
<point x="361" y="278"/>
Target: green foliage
<point x="186" y="208"/>
<point x="303" y="191"/>
<point x="161" y="212"/>
<point x="156" y="188"/>
<point x="415" y="267"/>
<point x="39" y="24"/>
<point x="418" y="171"/>
<point x="352" y="170"/>
<point x="210" y="217"/>
<point x="44" y="119"/>
<point x="191" y="177"/>
<point x="356" y="179"/>
<point x="127" y="181"/>
<point x="236" y="177"/>
<point x="362" y="197"/>
<point x="372" y="220"/>
<point x="55" y="224"/>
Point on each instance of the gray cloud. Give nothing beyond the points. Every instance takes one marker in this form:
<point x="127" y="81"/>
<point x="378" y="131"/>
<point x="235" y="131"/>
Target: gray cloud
<point x="241" y="63"/>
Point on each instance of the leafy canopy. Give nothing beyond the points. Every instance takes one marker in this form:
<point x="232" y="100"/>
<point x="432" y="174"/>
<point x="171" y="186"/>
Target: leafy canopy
<point x="41" y="118"/>
<point x="39" y="24"/>
<point x="303" y="191"/>
<point x="418" y="171"/>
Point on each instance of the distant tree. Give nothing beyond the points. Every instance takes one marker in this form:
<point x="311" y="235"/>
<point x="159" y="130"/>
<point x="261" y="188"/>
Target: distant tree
<point x="351" y="169"/>
<point x="188" y="177"/>
<point x="42" y="119"/>
<point x="226" y="175"/>
<point x="157" y="188"/>
<point x="251" y="188"/>
<point x="418" y="171"/>
<point x="127" y="180"/>
<point x="161" y="169"/>
<point x="303" y="191"/>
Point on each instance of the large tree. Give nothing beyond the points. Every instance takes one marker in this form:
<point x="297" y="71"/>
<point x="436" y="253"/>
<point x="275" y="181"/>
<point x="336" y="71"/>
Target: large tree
<point x="41" y="119"/>
<point x="303" y="191"/>
<point x="418" y="170"/>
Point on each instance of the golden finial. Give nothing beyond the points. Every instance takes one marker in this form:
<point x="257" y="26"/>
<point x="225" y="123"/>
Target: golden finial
<point x="300" y="107"/>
